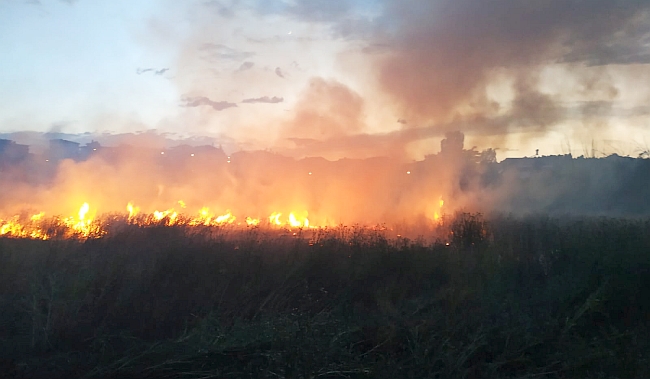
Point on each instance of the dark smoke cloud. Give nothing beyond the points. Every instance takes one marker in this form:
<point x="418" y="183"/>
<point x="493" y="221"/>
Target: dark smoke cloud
<point x="327" y="109"/>
<point x="202" y="100"/>
<point x="264" y="99"/>
<point x="246" y="66"/>
<point x="433" y="56"/>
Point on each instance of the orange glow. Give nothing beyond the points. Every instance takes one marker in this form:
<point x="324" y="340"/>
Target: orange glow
<point x="85" y="224"/>
<point x="274" y="218"/>
<point x="132" y="210"/>
<point x="252" y="221"/>
<point x="167" y="217"/>
<point x="298" y="223"/>
<point x="228" y="218"/>
<point x="437" y="214"/>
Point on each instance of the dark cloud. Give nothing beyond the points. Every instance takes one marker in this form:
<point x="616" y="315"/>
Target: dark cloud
<point x="246" y="66"/>
<point x="223" y="52"/>
<point x="202" y="100"/>
<point x="599" y="108"/>
<point x="155" y="71"/>
<point x="278" y="72"/>
<point x="629" y="43"/>
<point x="264" y="99"/>
<point x="531" y="108"/>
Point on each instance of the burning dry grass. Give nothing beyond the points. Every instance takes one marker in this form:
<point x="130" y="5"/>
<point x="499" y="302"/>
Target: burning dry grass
<point x="87" y="224"/>
<point x="506" y="298"/>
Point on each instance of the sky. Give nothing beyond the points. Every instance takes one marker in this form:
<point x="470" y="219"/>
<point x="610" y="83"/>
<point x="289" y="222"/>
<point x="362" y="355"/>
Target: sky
<point x="347" y="78"/>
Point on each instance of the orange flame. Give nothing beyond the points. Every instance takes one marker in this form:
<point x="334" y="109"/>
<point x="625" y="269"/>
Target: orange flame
<point x="85" y="225"/>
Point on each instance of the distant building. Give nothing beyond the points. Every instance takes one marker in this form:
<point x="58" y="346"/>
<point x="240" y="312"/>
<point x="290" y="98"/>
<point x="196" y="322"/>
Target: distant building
<point x="63" y="149"/>
<point x="89" y="150"/>
<point x="11" y="152"/>
<point x="452" y="144"/>
<point x="526" y="166"/>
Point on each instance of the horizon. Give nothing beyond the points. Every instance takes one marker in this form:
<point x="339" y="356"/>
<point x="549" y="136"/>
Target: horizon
<point x="38" y="142"/>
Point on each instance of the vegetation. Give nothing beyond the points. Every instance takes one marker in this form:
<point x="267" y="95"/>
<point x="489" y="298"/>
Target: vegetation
<point x="507" y="298"/>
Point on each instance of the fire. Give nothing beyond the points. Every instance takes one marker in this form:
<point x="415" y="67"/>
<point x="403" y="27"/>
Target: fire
<point x="85" y="225"/>
<point x="11" y="227"/>
<point x="298" y="223"/>
<point x="30" y="229"/>
<point x="252" y="221"/>
<point x="168" y="216"/>
<point x="132" y="210"/>
<point x="274" y="218"/>
<point x="82" y="211"/>
<point x="204" y="217"/>
<point x="228" y="218"/>
<point x="437" y="214"/>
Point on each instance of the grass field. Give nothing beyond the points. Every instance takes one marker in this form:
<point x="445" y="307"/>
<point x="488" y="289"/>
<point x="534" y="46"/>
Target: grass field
<point x="533" y="297"/>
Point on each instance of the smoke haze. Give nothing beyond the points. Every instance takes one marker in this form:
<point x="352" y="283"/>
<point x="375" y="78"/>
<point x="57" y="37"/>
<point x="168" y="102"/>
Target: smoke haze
<point x="357" y="93"/>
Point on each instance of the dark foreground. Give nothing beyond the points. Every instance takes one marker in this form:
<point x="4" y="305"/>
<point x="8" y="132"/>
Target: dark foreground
<point x="509" y="298"/>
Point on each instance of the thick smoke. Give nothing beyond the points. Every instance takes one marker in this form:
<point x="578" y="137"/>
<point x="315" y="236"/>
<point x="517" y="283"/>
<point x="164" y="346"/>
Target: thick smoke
<point x="407" y="197"/>
<point x="439" y="60"/>
<point x="440" y="55"/>
<point x="407" y="72"/>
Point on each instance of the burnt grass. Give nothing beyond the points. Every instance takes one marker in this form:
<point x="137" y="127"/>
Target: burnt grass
<point x="533" y="297"/>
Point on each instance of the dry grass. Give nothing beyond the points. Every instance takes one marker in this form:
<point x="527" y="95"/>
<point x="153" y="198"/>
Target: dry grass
<point x="509" y="298"/>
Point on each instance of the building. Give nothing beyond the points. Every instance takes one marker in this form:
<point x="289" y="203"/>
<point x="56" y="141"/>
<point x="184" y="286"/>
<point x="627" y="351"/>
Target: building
<point x="12" y="153"/>
<point x="63" y="149"/>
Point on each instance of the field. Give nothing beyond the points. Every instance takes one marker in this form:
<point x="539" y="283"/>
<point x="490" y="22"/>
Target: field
<point x="493" y="297"/>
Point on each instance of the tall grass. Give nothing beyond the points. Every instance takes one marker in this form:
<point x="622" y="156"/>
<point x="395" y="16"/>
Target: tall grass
<point x="506" y="298"/>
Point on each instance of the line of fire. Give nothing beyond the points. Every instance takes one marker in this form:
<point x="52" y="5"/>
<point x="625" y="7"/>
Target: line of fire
<point x="78" y="191"/>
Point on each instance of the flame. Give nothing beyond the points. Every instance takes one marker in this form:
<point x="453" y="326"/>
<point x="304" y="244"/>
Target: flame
<point x="298" y="223"/>
<point x="168" y="217"/>
<point x="274" y="218"/>
<point x="132" y="210"/>
<point x="85" y="225"/>
<point x="82" y="211"/>
<point x="228" y="218"/>
<point x="437" y="214"/>
<point x="252" y="221"/>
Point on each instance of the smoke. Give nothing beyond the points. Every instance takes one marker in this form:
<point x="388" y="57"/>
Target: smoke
<point x="370" y="80"/>
<point x="256" y="184"/>
<point x="405" y="196"/>
<point x="439" y="60"/>
<point x="500" y="71"/>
